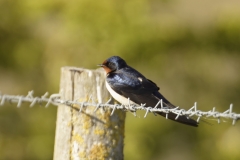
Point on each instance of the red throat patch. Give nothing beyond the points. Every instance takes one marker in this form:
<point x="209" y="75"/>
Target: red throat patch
<point x="105" y="67"/>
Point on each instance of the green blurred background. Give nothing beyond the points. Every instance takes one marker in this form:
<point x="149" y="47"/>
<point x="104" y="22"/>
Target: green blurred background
<point x="191" y="49"/>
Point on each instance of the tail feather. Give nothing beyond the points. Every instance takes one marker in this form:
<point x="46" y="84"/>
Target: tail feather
<point x="181" y="119"/>
<point x="153" y="99"/>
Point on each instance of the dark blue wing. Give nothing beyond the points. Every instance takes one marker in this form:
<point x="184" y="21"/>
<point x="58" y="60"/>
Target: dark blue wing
<point x="140" y="90"/>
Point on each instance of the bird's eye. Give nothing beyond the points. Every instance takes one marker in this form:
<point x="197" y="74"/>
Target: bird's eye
<point x="110" y="64"/>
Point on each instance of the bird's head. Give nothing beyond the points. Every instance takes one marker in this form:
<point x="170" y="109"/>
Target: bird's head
<point x="112" y="64"/>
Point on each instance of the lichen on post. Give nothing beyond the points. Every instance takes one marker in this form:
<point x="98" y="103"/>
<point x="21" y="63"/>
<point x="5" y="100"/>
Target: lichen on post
<point x="87" y="134"/>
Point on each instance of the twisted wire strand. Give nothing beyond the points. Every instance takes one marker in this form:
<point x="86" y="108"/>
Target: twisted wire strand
<point x="55" y="100"/>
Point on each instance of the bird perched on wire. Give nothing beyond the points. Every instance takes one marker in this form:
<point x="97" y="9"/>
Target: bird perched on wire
<point x="127" y="85"/>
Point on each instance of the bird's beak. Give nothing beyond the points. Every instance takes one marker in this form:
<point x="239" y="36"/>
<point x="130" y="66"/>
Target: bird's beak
<point x="100" y="65"/>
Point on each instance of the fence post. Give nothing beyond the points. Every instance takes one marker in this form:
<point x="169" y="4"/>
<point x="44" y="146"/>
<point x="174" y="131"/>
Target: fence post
<point x="87" y="135"/>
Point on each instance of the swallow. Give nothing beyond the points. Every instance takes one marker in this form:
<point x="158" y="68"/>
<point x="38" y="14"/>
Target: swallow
<point x="127" y="85"/>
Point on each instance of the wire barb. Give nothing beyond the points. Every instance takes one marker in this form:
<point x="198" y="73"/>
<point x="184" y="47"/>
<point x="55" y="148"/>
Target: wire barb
<point x="96" y="108"/>
<point x="113" y="110"/>
<point x="146" y="112"/>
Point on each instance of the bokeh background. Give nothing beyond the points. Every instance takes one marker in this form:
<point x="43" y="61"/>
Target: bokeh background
<point x="191" y="49"/>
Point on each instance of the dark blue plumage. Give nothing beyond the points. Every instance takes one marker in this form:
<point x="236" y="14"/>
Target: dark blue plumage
<point x="124" y="82"/>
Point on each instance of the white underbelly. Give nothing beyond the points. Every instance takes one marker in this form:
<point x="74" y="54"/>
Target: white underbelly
<point x="119" y="97"/>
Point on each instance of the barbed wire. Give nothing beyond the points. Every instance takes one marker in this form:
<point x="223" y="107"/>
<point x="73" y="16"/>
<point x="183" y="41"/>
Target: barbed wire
<point x="55" y="99"/>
